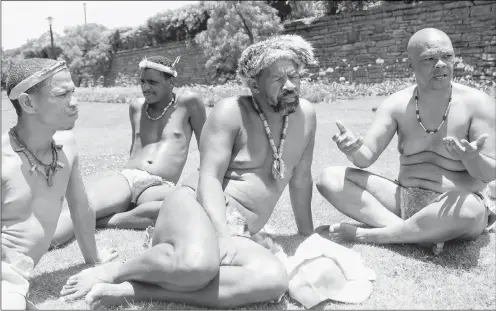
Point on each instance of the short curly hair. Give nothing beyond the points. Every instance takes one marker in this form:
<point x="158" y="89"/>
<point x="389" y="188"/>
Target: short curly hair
<point x="22" y="70"/>
<point x="262" y="54"/>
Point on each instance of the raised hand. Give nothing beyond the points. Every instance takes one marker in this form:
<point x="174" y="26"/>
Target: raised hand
<point x="462" y="150"/>
<point x="346" y="140"/>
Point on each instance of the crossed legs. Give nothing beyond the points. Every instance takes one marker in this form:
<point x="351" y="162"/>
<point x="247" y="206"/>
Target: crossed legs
<point x="111" y="199"/>
<point x="183" y="266"/>
<point x="374" y="200"/>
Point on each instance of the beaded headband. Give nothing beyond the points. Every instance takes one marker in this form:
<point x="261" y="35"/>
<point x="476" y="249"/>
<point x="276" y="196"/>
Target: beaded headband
<point x="170" y="70"/>
<point x="36" y="78"/>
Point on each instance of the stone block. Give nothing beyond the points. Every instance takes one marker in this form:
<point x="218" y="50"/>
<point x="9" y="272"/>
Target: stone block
<point x="489" y="56"/>
<point x="457" y="4"/>
<point x="480" y="10"/>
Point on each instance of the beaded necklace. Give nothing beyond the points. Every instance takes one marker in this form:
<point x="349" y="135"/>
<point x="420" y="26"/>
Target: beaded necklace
<point x="278" y="166"/>
<point x="47" y="170"/>
<point x="173" y="99"/>
<point x="444" y="117"/>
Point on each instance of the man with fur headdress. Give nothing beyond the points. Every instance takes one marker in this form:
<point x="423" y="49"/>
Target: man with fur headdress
<point x="162" y="125"/>
<point x="252" y="147"/>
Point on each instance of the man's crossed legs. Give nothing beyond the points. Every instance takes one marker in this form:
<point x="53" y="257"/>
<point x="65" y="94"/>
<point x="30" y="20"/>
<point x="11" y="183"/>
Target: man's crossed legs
<point x="376" y="201"/>
<point x="183" y="266"/>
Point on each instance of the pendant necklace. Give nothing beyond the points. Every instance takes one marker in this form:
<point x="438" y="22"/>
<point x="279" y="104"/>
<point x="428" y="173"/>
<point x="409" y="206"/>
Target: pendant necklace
<point x="47" y="170"/>
<point x="278" y="166"/>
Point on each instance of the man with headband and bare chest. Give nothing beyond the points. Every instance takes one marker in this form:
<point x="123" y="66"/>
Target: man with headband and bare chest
<point x="162" y="126"/>
<point x="252" y="147"/>
<point x="40" y="166"/>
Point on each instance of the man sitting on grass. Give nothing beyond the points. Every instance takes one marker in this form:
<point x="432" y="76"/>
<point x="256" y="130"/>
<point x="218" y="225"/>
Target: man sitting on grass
<point x="162" y="125"/>
<point x="252" y="147"/>
<point x="40" y="165"/>
<point x="447" y="156"/>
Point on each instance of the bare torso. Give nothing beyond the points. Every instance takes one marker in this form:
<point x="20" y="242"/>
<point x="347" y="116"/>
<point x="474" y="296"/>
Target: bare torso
<point x="248" y="178"/>
<point x="437" y="164"/>
<point x="30" y="208"/>
<point x="161" y="147"/>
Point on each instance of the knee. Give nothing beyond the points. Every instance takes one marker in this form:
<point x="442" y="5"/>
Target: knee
<point x="330" y="180"/>
<point x="273" y="274"/>
<point x="199" y="264"/>
<point x="472" y="209"/>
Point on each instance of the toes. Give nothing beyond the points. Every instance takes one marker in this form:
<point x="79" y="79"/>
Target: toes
<point x="334" y="228"/>
<point x="67" y="290"/>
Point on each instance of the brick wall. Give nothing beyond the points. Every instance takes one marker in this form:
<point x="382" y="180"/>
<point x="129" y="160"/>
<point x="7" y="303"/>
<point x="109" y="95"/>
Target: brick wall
<point x="360" y="38"/>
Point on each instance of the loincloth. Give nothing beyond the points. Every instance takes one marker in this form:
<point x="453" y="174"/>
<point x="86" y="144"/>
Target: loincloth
<point x="238" y="226"/>
<point x="16" y="272"/>
<point x="140" y="180"/>
<point x="412" y="200"/>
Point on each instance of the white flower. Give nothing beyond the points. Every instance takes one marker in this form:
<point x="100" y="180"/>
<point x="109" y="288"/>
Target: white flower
<point x="460" y="65"/>
<point x="341" y="79"/>
<point x="468" y="76"/>
<point x="337" y="67"/>
<point x="355" y="68"/>
<point x="322" y="73"/>
<point x="379" y="61"/>
<point x="370" y="65"/>
<point x="344" y="60"/>
<point x="494" y="74"/>
<point x="330" y="69"/>
<point x="404" y="60"/>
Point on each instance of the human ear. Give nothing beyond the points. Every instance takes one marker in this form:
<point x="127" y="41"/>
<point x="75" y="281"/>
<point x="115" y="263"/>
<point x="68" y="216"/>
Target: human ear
<point x="26" y="102"/>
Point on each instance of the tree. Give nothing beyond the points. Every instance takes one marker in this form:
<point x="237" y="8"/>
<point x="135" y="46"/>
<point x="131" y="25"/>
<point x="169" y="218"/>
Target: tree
<point x="87" y="50"/>
<point x="232" y="27"/>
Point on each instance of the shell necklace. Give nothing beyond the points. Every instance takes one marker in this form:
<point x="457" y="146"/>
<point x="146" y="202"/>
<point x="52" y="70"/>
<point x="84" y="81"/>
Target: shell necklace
<point x="173" y="99"/>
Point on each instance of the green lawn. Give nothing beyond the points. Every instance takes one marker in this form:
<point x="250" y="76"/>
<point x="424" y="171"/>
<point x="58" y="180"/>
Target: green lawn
<point x="408" y="277"/>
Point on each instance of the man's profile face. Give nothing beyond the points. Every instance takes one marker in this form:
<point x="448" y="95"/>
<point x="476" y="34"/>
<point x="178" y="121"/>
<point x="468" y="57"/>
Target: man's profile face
<point x="55" y="104"/>
<point x="432" y="62"/>
<point x="279" y="84"/>
<point x="154" y="85"/>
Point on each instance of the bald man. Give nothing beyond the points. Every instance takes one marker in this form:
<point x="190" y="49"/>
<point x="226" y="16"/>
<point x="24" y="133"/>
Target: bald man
<point x="446" y="141"/>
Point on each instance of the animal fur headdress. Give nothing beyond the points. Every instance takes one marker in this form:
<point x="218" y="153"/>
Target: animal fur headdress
<point x="262" y="54"/>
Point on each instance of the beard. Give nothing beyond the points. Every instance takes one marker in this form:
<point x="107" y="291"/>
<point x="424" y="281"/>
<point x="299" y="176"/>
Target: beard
<point x="285" y="108"/>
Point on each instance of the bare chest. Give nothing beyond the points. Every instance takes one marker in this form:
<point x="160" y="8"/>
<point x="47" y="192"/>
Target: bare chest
<point x="412" y="138"/>
<point x="173" y="125"/>
<point x="253" y="149"/>
<point x="27" y="195"/>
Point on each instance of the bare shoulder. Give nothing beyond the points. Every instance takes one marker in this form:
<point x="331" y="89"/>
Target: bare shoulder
<point x="68" y="141"/>
<point x="191" y="100"/>
<point x="397" y="102"/>
<point x="478" y="102"/>
<point x="136" y="104"/>
<point x="307" y="108"/>
<point x="227" y="112"/>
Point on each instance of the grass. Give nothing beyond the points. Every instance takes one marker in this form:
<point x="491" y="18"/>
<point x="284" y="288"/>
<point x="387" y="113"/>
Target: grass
<point x="462" y="277"/>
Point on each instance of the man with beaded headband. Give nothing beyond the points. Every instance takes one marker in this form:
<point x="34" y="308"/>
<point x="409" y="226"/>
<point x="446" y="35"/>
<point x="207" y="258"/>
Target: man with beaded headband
<point x="162" y="125"/>
<point x="214" y="220"/>
<point x="447" y="156"/>
<point x="40" y="165"/>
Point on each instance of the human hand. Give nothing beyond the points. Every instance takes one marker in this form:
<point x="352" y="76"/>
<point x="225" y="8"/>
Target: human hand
<point x="106" y="255"/>
<point x="227" y="250"/>
<point x="462" y="150"/>
<point x="346" y="140"/>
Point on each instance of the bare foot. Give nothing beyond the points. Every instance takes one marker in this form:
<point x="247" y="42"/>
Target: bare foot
<point x="103" y="295"/>
<point x="347" y="232"/>
<point x="79" y="285"/>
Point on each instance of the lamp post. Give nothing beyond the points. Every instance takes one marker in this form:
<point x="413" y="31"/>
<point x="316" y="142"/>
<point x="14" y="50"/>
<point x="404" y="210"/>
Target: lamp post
<point x="50" y="20"/>
<point x="84" y="6"/>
